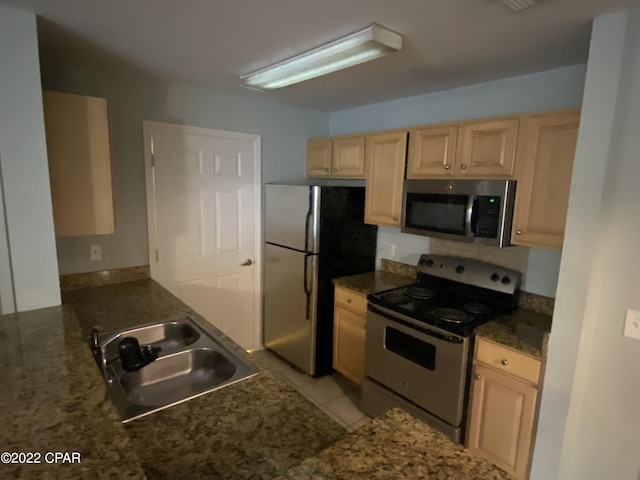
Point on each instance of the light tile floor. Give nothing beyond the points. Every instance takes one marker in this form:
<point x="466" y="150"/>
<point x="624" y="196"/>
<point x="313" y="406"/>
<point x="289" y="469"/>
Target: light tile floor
<point x="333" y="394"/>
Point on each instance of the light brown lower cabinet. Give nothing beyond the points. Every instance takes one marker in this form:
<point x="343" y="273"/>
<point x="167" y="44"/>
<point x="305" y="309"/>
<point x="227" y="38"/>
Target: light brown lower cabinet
<point x="503" y="407"/>
<point x="349" y="321"/>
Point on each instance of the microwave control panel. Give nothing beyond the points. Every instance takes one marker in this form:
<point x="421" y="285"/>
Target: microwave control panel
<point x="488" y="220"/>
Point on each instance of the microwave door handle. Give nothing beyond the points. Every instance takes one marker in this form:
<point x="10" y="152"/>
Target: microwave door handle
<point x="468" y="231"/>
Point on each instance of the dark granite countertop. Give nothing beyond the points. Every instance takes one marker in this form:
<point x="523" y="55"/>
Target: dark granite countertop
<point x="372" y="282"/>
<point x="53" y="399"/>
<point x="396" y="446"/>
<point x="523" y="330"/>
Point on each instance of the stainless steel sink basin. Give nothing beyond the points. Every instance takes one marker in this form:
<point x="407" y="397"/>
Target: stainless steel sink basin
<point x="171" y="336"/>
<point x="192" y="362"/>
<point x="178" y="376"/>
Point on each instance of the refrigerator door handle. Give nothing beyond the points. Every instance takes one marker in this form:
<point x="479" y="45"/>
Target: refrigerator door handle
<point x="307" y="288"/>
<point x="307" y="224"/>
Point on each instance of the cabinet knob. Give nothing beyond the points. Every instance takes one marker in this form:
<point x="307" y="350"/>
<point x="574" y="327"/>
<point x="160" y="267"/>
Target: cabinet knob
<point x="518" y="232"/>
<point x="349" y="300"/>
<point x="463" y="166"/>
<point x="335" y="169"/>
<point x="395" y="219"/>
<point x="504" y="362"/>
<point x="447" y="167"/>
<point x="477" y="377"/>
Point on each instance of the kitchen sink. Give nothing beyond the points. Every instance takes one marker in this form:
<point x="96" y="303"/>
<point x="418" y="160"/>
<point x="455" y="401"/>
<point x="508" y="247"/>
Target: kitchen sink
<point x="191" y="362"/>
<point x="170" y="336"/>
<point x="177" y="376"/>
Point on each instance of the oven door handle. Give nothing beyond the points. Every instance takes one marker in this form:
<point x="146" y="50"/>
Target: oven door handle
<point x="440" y="336"/>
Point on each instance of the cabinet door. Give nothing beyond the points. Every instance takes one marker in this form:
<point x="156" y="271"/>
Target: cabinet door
<point x="501" y="420"/>
<point x="488" y="149"/>
<point x="385" y="159"/>
<point x="78" y="148"/>
<point x="432" y="152"/>
<point x="545" y="165"/>
<point x="348" y="343"/>
<point x="319" y="157"/>
<point x="348" y="157"/>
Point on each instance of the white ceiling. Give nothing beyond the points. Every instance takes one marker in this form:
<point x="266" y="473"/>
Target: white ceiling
<point x="210" y="43"/>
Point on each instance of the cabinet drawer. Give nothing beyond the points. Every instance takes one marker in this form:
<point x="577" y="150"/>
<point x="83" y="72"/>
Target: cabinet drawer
<point x="352" y="300"/>
<point x="509" y="361"/>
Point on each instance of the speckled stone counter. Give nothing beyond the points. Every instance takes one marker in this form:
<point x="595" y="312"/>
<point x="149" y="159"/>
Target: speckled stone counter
<point x="370" y="282"/>
<point x="523" y="330"/>
<point x="396" y="446"/>
<point x="53" y="400"/>
<point x="255" y="429"/>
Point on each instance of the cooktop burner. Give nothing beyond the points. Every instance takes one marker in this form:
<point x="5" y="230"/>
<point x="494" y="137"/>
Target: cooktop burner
<point x="396" y="297"/>
<point x="453" y="294"/>
<point x="477" y="308"/>
<point x="419" y="292"/>
<point x="454" y="315"/>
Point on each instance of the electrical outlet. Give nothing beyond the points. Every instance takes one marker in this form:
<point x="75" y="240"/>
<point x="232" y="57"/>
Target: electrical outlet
<point x="632" y="324"/>
<point x="391" y="250"/>
<point x="95" y="251"/>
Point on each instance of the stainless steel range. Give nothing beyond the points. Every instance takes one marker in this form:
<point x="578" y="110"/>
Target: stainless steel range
<point x="420" y="338"/>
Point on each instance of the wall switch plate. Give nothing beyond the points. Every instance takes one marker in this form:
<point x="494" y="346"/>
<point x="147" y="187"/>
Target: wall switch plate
<point x="632" y="324"/>
<point x="95" y="252"/>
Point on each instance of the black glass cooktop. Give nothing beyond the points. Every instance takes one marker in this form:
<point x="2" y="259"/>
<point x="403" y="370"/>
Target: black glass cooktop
<point x="451" y="311"/>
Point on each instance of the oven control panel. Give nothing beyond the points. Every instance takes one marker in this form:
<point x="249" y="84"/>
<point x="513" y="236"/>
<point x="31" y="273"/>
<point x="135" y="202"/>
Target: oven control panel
<point x="471" y="272"/>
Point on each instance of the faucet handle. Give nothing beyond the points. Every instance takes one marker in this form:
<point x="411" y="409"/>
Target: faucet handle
<point x="95" y="333"/>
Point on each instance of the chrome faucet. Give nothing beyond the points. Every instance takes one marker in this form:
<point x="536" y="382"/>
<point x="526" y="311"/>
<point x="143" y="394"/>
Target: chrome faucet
<point x="95" y="342"/>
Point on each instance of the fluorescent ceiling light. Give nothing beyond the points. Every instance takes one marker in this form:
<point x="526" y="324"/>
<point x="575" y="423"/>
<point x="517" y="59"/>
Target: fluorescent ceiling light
<point x="359" y="47"/>
<point x="519" y="5"/>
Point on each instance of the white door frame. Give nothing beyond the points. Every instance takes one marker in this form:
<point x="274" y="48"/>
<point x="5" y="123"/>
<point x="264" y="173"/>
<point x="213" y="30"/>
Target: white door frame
<point x="147" y="127"/>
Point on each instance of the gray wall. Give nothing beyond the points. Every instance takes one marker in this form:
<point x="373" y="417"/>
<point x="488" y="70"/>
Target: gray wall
<point x="27" y="249"/>
<point x="553" y="89"/>
<point x="590" y="421"/>
<point x="134" y="96"/>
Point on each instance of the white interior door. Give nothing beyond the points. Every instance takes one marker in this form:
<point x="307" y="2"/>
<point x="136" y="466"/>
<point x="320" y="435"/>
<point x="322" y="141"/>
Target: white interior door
<point x="203" y="197"/>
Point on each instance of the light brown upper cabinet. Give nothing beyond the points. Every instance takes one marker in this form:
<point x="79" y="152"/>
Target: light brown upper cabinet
<point x="432" y="152"/>
<point x="545" y="164"/>
<point x="487" y="149"/>
<point x="385" y="159"/>
<point x="336" y="157"/>
<point x="79" y="153"/>
<point x="476" y="149"/>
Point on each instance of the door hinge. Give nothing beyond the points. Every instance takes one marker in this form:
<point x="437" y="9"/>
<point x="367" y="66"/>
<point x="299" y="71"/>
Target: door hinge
<point x="157" y="256"/>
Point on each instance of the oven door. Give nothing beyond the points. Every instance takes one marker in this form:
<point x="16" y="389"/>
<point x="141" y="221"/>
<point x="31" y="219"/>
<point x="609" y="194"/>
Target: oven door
<point x="423" y="364"/>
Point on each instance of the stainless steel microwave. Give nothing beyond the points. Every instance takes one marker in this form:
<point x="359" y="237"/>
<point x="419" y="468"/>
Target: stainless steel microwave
<point x="475" y="211"/>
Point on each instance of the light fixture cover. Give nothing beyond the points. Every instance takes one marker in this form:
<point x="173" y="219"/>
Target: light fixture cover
<point x="368" y="44"/>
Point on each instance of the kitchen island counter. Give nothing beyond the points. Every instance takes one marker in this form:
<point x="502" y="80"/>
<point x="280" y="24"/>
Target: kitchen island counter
<point x="53" y="399"/>
<point x="396" y="446"/>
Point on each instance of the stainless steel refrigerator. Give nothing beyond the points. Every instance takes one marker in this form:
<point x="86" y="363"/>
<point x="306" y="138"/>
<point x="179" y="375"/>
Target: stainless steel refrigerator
<point x="313" y="234"/>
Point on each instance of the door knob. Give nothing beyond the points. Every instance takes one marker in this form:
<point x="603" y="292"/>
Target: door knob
<point x="247" y="262"/>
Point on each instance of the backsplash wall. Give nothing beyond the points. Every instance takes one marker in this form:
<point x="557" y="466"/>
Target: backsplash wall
<point x="515" y="258"/>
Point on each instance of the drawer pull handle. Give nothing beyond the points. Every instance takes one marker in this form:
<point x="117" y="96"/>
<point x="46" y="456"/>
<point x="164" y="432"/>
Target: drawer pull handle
<point x="504" y="362"/>
<point x="349" y="300"/>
